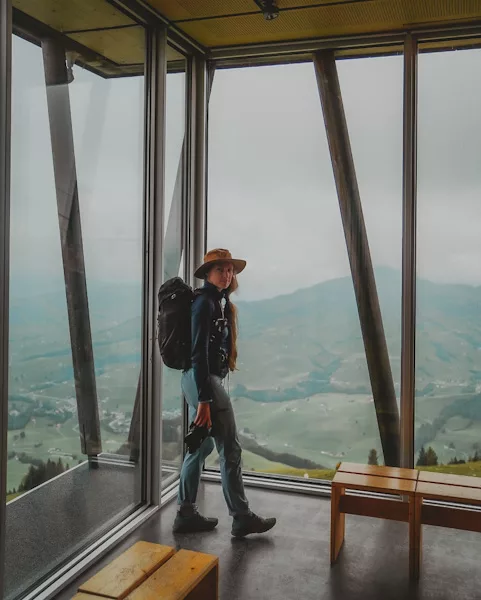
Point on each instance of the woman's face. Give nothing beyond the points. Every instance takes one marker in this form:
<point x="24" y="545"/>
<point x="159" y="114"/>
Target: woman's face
<point x="221" y="275"/>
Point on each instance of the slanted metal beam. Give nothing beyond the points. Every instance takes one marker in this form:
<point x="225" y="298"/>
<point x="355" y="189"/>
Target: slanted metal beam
<point x="359" y="256"/>
<point x="5" y="120"/>
<point x="408" y="324"/>
<point x="61" y="133"/>
<point x="173" y="242"/>
<point x="199" y="163"/>
<point x="174" y="236"/>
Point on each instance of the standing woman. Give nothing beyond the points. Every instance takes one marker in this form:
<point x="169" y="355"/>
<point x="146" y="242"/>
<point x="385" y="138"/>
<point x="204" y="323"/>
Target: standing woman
<point x="214" y="354"/>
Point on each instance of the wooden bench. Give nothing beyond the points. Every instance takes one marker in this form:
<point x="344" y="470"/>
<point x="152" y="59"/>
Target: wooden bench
<point x="148" y="571"/>
<point x="388" y="480"/>
<point x="461" y="489"/>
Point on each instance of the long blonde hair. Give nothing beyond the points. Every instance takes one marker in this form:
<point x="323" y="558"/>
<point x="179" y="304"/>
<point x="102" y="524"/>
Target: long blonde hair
<point x="232" y="316"/>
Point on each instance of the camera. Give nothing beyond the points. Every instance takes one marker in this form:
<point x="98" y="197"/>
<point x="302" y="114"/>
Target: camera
<point x="195" y="437"/>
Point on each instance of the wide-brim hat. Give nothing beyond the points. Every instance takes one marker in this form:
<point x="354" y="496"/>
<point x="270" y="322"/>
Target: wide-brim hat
<point x="219" y="255"/>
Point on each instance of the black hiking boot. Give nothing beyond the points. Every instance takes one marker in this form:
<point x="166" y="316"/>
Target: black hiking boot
<point x="191" y="521"/>
<point x="251" y="523"/>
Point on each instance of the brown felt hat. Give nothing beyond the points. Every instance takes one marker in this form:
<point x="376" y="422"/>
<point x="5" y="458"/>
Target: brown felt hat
<point x="219" y="255"/>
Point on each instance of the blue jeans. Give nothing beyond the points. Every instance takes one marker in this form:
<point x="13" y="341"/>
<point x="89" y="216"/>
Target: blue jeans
<point x="228" y="447"/>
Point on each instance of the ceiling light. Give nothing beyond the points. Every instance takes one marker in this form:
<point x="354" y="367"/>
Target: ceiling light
<point x="269" y="9"/>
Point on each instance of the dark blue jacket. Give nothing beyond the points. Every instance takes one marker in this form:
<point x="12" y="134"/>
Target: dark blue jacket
<point x="210" y="338"/>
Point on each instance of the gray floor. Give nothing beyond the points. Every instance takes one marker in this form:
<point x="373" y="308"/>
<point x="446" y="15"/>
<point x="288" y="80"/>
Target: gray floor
<point x="292" y="563"/>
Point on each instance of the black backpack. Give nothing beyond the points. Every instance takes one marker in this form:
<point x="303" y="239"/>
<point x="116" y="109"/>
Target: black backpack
<point x="173" y="320"/>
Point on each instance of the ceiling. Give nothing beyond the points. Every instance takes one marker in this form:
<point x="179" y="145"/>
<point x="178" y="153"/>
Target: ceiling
<point x="107" y="40"/>
<point x="110" y="42"/>
<point x="217" y="23"/>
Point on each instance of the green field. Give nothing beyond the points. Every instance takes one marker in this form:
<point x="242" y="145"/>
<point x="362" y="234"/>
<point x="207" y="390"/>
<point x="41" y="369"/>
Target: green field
<point x="325" y="428"/>
<point x="472" y="469"/>
<point x="61" y="441"/>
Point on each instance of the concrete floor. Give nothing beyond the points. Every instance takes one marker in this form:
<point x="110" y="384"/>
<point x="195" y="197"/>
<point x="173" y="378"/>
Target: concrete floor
<point x="292" y="561"/>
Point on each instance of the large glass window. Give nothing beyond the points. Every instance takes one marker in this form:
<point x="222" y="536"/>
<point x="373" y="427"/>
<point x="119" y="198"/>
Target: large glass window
<point x="172" y="401"/>
<point x="76" y="296"/>
<point x="448" y="328"/>
<point x="302" y="394"/>
<point x="372" y="93"/>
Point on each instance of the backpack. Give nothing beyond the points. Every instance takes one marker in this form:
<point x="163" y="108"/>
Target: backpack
<point x="173" y="320"/>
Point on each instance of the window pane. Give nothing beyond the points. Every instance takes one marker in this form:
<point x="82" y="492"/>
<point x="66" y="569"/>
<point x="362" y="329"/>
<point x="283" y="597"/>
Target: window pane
<point x="448" y="328"/>
<point x="172" y="438"/>
<point x="302" y="395"/>
<point x="75" y="266"/>
<point x="372" y="92"/>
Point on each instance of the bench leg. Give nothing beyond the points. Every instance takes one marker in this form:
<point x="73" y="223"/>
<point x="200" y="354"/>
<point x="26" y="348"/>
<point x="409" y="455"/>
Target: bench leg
<point x="415" y="535"/>
<point x="337" y="522"/>
<point x="207" y="589"/>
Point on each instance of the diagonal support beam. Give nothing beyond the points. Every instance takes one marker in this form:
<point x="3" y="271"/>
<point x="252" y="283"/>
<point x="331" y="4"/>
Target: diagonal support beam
<point x="174" y="233"/>
<point x="61" y="133"/>
<point x="359" y="256"/>
<point x="174" y="236"/>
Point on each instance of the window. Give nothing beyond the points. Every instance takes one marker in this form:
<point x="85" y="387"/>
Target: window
<point x="75" y="320"/>
<point x="172" y="401"/>
<point x="448" y="319"/>
<point x="302" y="395"/>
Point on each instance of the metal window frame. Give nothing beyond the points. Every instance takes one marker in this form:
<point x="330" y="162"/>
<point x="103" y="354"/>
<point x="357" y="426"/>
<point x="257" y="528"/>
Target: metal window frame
<point x="408" y="310"/>
<point x="5" y="140"/>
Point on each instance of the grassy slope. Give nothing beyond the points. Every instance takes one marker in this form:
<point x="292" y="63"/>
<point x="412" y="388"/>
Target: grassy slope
<point x="472" y="469"/>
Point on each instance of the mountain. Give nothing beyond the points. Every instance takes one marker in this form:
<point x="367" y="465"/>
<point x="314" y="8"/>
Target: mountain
<point x="308" y="341"/>
<point x="314" y="335"/>
<point x="302" y="387"/>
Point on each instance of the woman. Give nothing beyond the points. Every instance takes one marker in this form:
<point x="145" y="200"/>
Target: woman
<point x="214" y="354"/>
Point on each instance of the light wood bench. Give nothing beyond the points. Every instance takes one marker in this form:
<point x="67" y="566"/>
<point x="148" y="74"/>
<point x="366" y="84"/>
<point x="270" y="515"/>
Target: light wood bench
<point x="461" y="489"/>
<point x="148" y="571"/>
<point x="388" y="480"/>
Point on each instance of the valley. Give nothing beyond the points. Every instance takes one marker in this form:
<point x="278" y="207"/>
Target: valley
<point x="302" y="391"/>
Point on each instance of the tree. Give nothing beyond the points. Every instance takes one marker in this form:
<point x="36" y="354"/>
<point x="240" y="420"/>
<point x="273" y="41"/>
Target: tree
<point x="422" y="461"/>
<point x="41" y="472"/>
<point x="431" y="457"/>
<point x="476" y="457"/>
<point x="372" y="459"/>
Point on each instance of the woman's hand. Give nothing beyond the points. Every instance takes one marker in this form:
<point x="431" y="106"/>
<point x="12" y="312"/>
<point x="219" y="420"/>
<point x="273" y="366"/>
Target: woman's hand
<point x="203" y="415"/>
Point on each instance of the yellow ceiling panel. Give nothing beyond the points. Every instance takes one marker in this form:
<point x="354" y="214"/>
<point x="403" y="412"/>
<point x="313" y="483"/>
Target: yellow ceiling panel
<point x="344" y="18"/>
<point x="122" y="46"/>
<point x="282" y="4"/>
<point x="173" y="54"/>
<point x="72" y="15"/>
<point x="194" y="9"/>
<point x="200" y="9"/>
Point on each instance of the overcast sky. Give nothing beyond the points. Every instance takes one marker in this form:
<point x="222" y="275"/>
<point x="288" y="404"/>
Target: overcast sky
<point x="272" y="198"/>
